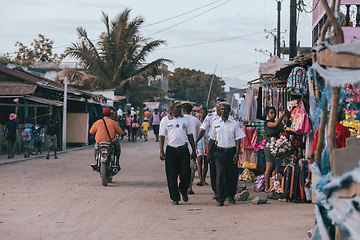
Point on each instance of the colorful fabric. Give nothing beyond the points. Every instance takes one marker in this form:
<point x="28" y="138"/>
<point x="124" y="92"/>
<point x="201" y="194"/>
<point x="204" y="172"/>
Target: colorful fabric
<point x="297" y="82"/>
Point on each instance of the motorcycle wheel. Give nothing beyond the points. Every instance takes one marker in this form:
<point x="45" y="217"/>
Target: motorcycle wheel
<point x="103" y="174"/>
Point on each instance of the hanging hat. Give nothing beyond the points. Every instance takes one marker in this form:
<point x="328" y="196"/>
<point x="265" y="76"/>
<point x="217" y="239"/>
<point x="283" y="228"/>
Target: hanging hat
<point x="12" y="116"/>
<point x="106" y="111"/>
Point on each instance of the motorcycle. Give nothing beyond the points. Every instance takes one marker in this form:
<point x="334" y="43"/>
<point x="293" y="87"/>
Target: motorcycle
<point x="105" y="163"/>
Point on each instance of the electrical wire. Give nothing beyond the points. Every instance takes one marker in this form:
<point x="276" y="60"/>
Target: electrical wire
<point x="234" y="67"/>
<point x="203" y="43"/>
<point x="250" y="69"/>
<point x="180" y="15"/>
<point x="188" y="19"/>
<point x="228" y="53"/>
<point x="303" y="9"/>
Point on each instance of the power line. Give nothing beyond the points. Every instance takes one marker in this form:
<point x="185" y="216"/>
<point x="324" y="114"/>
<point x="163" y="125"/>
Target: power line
<point x="203" y="43"/>
<point x="229" y="53"/>
<point x="189" y="19"/>
<point x="235" y="67"/>
<point x="180" y="15"/>
<point x="242" y="72"/>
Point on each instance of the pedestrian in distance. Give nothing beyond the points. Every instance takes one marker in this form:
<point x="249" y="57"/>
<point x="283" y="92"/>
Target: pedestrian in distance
<point x="119" y="113"/>
<point x="134" y="127"/>
<point x="38" y="139"/>
<point x="10" y="133"/>
<point x="201" y="150"/>
<point x="164" y="113"/>
<point x="145" y="129"/>
<point x="28" y="137"/>
<point x="194" y="129"/>
<point x="128" y="124"/>
<point x="155" y="122"/>
<point x="174" y="131"/>
<point x="227" y="133"/>
<point x="52" y="132"/>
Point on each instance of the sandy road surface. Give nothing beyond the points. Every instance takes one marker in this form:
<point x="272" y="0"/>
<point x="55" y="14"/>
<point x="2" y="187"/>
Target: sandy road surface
<point x="64" y="199"/>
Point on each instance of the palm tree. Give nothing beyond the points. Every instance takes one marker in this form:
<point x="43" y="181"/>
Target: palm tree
<point x="119" y="58"/>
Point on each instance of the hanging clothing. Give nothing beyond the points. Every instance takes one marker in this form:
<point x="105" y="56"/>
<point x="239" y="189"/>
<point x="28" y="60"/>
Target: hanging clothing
<point x="250" y="105"/>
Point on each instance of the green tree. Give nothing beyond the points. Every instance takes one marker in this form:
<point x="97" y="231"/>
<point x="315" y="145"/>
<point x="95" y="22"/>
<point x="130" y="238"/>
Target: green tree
<point x="194" y="85"/>
<point x="118" y="59"/>
<point x="40" y="50"/>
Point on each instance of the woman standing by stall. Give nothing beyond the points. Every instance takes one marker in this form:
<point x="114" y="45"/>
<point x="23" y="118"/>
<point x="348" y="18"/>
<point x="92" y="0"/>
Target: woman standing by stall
<point x="10" y="130"/>
<point x="273" y="129"/>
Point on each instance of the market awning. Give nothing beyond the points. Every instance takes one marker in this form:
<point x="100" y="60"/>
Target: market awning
<point x="13" y="89"/>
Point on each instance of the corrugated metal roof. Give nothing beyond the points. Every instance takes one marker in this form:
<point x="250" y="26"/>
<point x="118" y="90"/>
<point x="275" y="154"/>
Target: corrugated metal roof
<point x="44" y="100"/>
<point x="43" y="82"/>
<point x="16" y="89"/>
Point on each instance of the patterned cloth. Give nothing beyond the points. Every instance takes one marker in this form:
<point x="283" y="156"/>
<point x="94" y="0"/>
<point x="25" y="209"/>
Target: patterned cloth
<point x="297" y="82"/>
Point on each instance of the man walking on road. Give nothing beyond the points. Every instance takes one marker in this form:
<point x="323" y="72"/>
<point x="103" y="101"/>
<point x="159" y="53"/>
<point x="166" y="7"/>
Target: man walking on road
<point x="194" y="129"/>
<point x="174" y="129"/>
<point x="207" y="123"/>
<point x="227" y="133"/>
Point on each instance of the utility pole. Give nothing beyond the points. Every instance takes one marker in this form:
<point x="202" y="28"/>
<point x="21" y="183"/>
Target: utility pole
<point x="278" y="38"/>
<point x="212" y="80"/>
<point x="293" y="30"/>
<point x="64" y="115"/>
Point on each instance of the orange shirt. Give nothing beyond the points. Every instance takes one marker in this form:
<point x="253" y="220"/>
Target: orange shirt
<point x="99" y="129"/>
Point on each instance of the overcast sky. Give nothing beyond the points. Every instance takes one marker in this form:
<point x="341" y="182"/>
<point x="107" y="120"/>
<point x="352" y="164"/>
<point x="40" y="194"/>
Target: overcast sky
<point x="235" y="28"/>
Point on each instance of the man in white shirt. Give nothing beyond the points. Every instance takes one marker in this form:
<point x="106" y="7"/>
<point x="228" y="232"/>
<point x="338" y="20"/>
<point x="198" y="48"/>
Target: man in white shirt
<point x="132" y="111"/>
<point x="174" y="130"/>
<point x="206" y="126"/>
<point x="226" y="132"/>
<point x="119" y="112"/>
<point x="194" y="128"/>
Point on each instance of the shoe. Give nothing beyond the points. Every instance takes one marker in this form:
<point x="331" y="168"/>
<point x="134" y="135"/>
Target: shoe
<point x="232" y="201"/>
<point x="157" y="141"/>
<point x="214" y="197"/>
<point x="56" y="157"/>
<point x="185" y="198"/>
<point x="200" y="184"/>
<point x="47" y="156"/>
<point x="191" y="192"/>
<point x="9" y="156"/>
<point x="220" y="204"/>
<point x="174" y="202"/>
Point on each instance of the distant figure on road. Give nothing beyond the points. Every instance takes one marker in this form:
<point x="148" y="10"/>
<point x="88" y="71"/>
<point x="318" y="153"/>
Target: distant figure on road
<point x="10" y="131"/>
<point x="174" y="129"/>
<point x="227" y="133"/>
<point x="155" y="122"/>
<point x="102" y="135"/>
<point x="203" y="164"/>
<point x="194" y="129"/>
<point x="38" y="139"/>
<point x="145" y="129"/>
<point x="52" y="132"/>
<point x="134" y="127"/>
<point x="164" y="113"/>
<point x="28" y="137"/>
<point x="128" y="124"/>
<point x="119" y="113"/>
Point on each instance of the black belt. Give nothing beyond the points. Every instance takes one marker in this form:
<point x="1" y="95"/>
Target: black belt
<point x="220" y="149"/>
<point x="180" y="147"/>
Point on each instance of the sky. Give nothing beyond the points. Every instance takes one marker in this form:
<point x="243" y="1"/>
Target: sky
<point x="208" y="35"/>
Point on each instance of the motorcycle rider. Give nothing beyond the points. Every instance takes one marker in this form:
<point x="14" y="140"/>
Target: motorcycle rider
<point x="99" y="129"/>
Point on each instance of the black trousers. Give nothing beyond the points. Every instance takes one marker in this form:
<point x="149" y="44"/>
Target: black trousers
<point x="177" y="164"/>
<point x="225" y="168"/>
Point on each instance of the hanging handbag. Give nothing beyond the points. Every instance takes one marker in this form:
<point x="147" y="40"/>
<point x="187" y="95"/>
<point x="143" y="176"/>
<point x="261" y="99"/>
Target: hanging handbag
<point x="300" y="120"/>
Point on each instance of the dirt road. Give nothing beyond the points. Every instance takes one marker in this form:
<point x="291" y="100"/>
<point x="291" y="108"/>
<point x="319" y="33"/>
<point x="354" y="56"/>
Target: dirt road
<point x="64" y="199"/>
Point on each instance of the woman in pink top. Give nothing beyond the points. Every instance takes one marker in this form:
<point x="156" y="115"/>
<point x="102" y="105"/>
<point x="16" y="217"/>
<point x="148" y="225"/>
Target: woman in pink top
<point x="155" y="122"/>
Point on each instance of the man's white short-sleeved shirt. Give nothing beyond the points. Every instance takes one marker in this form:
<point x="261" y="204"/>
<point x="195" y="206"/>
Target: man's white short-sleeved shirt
<point x="206" y="124"/>
<point x="175" y="130"/>
<point x="226" y="133"/>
